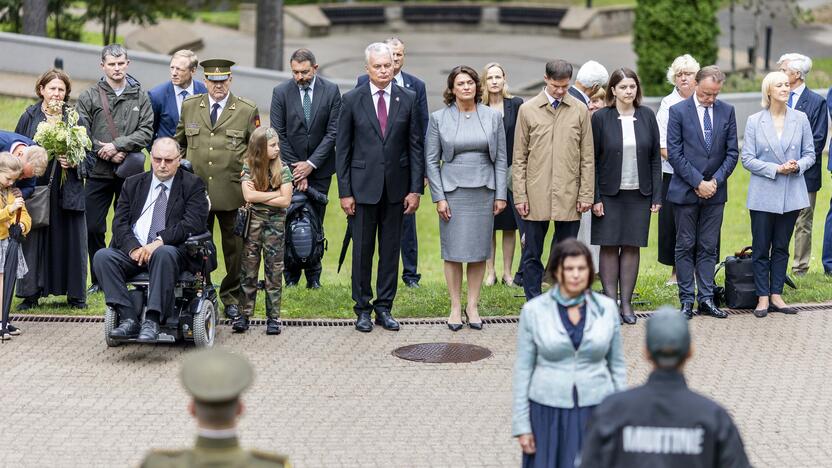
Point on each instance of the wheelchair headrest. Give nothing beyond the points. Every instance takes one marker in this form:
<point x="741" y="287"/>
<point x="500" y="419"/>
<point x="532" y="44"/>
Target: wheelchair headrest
<point x="186" y="165"/>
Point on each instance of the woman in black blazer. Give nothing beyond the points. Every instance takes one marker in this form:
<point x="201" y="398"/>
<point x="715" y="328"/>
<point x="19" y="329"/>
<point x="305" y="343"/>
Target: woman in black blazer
<point x="495" y="95"/>
<point x="628" y="181"/>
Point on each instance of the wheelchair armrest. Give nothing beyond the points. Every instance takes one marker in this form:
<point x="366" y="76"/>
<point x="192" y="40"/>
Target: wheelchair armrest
<point x="199" y="245"/>
<point x="198" y="239"/>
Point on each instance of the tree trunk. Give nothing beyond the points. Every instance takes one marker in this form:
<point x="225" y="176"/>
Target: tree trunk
<point x="269" y="36"/>
<point x="34" y="17"/>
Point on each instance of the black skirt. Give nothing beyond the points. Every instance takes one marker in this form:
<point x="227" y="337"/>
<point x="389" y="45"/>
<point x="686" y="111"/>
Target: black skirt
<point x="505" y="220"/>
<point x="626" y="220"/>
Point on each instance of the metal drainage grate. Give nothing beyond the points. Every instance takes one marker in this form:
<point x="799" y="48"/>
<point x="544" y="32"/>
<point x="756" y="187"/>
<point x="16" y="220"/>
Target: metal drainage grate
<point x="442" y="352"/>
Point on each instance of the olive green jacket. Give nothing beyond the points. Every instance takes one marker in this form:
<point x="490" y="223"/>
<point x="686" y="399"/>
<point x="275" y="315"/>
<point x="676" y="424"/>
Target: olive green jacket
<point x="217" y="152"/>
<point x="214" y="452"/>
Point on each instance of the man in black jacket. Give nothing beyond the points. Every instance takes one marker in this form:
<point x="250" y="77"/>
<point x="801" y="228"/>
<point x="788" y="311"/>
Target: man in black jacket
<point x="157" y="211"/>
<point x="380" y="165"/>
<point x="305" y="114"/>
<point x="663" y="423"/>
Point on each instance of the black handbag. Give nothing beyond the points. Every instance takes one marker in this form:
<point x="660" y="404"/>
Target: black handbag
<point x="243" y="221"/>
<point x="739" y="291"/>
<point x="37" y="205"/>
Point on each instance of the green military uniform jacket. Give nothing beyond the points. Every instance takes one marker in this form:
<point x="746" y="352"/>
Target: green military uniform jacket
<point x="217" y="152"/>
<point x="214" y="453"/>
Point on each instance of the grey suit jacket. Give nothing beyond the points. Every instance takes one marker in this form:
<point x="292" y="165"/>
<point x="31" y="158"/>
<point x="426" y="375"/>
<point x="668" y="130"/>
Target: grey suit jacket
<point x="762" y="152"/>
<point x="439" y="152"/>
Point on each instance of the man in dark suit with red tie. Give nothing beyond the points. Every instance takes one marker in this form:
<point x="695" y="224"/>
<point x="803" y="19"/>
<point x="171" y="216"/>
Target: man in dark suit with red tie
<point x="380" y="167"/>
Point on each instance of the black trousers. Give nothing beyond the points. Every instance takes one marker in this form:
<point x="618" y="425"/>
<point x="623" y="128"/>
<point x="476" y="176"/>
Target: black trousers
<point x="115" y="267"/>
<point x="232" y="253"/>
<point x="667" y="226"/>
<point x="697" y="244"/>
<point x="410" y="250"/>
<point x="383" y="219"/>
<point x="771" y="234"/>
<point x="535" y="233"/>
<point x="100" y="195"/>
<point x="291" y="273"/>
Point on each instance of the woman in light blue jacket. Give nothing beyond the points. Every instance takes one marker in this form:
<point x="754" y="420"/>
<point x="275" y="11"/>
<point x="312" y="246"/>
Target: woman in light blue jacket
<point x="569" y="357"/>
<point x="778" y="149"/>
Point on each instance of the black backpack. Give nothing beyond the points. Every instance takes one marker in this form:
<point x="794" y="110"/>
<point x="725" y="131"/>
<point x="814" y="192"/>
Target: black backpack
<point x="305" y="241"/>
<point x="739" y="291"/>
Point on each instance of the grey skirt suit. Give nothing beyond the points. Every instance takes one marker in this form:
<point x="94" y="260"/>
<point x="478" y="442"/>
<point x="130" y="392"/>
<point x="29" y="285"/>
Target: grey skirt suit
<point x="465" y="155"/>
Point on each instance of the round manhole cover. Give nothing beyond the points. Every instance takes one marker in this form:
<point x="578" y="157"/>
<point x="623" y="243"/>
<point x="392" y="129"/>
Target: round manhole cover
<point x="442" y="352"/>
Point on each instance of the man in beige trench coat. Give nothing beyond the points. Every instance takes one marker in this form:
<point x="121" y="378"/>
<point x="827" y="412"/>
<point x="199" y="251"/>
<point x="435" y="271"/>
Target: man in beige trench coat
<point x="554" y="168"/>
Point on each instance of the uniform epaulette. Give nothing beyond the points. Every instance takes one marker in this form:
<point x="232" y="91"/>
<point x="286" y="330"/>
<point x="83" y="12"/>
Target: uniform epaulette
<point x="272" y="457"/>
<point x="247" y="101"/>
<point x="193" y="96"/>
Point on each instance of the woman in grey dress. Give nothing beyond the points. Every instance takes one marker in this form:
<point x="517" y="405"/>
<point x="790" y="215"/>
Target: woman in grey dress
<point x="465" y="154"/>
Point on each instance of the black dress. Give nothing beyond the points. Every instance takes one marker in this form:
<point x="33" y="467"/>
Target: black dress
<point x="56" y="254"/>
<point x="505" y="221"/>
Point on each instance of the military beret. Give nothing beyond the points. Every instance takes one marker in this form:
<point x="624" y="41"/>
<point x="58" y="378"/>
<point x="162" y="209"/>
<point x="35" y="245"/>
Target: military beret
<point x="216" y="375"/>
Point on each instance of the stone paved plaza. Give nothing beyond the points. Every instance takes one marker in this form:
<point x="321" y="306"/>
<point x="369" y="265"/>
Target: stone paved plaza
<point x="332" y="397"/>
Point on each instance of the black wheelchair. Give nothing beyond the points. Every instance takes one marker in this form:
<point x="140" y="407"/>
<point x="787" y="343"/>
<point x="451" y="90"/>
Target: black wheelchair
<point x="195" y="313"/>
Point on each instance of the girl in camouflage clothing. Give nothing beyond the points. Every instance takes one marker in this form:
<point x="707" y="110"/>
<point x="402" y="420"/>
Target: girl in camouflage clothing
<point x="267" y="188"/>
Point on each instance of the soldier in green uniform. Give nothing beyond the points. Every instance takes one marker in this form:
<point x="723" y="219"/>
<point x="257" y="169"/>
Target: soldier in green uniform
<point x="215" y="379"/>
<point x="213" y="131"/>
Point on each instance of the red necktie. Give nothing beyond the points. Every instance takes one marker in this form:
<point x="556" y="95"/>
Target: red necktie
<point x="381" y="111"/>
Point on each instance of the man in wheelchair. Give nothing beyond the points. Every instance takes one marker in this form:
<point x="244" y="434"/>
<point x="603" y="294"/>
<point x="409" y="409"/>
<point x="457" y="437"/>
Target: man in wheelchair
<point x="156" y="214"/>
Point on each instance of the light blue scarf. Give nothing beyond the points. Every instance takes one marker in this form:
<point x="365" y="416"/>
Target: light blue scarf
<point x="564" y="301"/>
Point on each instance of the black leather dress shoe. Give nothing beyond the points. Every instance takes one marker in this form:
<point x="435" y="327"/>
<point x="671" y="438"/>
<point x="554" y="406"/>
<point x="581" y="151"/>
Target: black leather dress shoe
<point x="291" y="284"/>
<point x="273" y="327"/>
<point x="314" y="284"/>
<point x="412" y="284"/>
<point x="149" y="332"/>
<point x="709" y="308"/>
<point x="387" y="321"/>
<point x="629" y="319"/>
<point x="28" y="304"/>
<point x="95" y="288"/>
<point x="76" y="303"/>
<point x="239" y="324"/>
<point x="128" y="328"/>
<point x="783" y="310"/>
<point x="363" y="323"/>
<point x="232" y="311"/>
<point x="687" y="310"/>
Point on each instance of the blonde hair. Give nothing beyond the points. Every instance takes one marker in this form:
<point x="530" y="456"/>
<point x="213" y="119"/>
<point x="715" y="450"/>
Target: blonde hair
<point x="37" y="158"/>
<point x="600" y="93"/>
<point x="680" y="64"/>
<point x="10" y="163"/>
<point x="258" y="160"/>
<point x="765" y="89"/>
<point x="484" y="84"/>
<point x="193" y="61"/>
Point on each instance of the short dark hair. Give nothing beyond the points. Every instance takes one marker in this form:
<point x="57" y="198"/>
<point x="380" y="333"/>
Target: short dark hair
<point x="303" y="55"/>
<point x="618" y="76"/>
<point x="448" y="95"/>
<point x="711" y="71"/>
<point x="50" y="75"/>
<point x="566" y="248"/>
<point x="113" y="50"/>
<point x="558" y="70"/>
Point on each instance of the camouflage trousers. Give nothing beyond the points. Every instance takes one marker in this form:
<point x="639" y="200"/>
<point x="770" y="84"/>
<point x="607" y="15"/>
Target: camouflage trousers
<point x="266" y="234"/>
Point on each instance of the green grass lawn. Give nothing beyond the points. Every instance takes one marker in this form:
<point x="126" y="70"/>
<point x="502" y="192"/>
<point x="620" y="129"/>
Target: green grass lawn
<point x="431" y="300"/>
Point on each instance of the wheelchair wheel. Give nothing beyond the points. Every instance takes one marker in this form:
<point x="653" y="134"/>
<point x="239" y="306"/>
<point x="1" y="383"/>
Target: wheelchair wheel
<point x="110" y="321"/>
<point x="205" y="324"/>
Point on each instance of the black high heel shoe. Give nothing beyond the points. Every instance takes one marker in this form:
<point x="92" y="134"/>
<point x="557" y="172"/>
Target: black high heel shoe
<point x="473" y="325"/>
<point x="455" y="327"/>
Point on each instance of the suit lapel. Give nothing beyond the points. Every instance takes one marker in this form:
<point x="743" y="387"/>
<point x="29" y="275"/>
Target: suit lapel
<point x="394" y="109"/>
<point x="693" y="114"/>
<point x="771" y="136"/>
<point x="296" y="104"/>
<point x="138" y="203"/>
<point x="172" y="102"/>
<point x="317" y="96"/>
<point x="227" y="111"/>
<point x="370" y="110"/>
<point x="175" y="194"/>
<point x="789" y="127"/>
<point x="204" y="112"/>
<point x="803" y="101"/>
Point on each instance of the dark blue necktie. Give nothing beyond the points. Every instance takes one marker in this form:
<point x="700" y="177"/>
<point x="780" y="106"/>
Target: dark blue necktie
<point x="791" y="97"/>
<point x="709" y="129"/>
<point x="214" y="109"/>
<point x="160" y="209"/>
<point x="555" y="104"/>
<point x="184" y="94"/>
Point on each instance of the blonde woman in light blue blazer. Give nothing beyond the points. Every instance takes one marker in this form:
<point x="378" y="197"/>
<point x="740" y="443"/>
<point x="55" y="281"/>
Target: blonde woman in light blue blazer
<point x="778" y="149"/>
<point x="569" y="358"/>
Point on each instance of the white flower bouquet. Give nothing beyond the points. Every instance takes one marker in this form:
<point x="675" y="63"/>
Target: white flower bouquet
<point x="65" y="137"/>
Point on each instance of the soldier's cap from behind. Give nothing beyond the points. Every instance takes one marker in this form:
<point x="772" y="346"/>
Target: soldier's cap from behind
<point x="668" y="337"/>
<point x="217" y="69"/>
<point x="216" y="375"/>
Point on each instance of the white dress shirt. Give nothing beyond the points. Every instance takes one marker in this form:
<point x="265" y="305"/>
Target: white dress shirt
<point x="177" y="91"/>
<point x="222" y="104"/>
<point x="550" y="98"/>
<point x="399" y="79"/>
<point x="797" y="93"/>
<point x="662" y="118"/>
<point x="374" y="90"/>
<point x="311" y="90"/>
<point x="142" y="227"/>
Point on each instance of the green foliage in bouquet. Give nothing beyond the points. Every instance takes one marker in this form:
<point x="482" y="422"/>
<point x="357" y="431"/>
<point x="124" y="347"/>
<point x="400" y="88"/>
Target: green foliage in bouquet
<point x="64" y="137"/>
